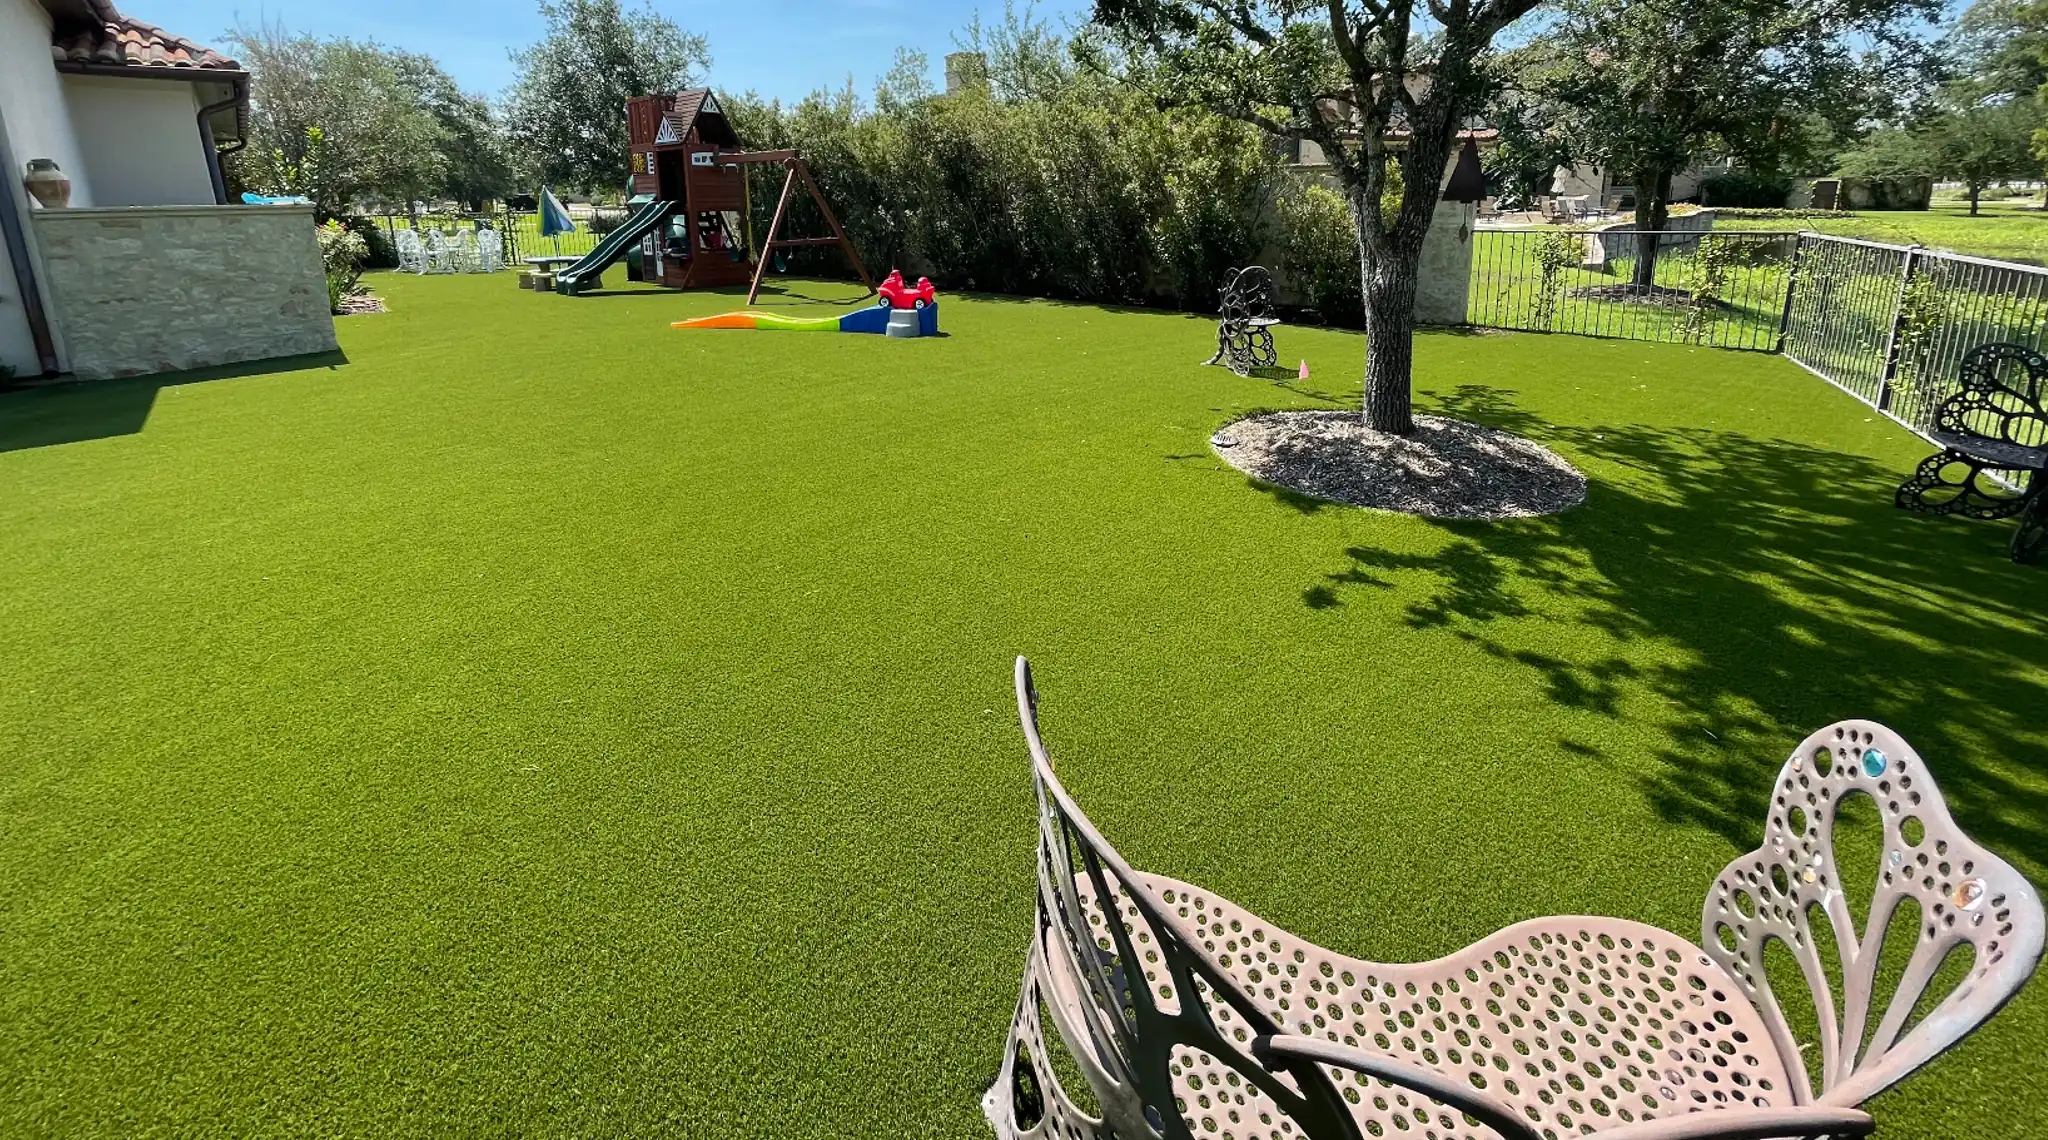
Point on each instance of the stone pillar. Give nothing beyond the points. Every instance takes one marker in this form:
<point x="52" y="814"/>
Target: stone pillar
<point x="1444" y="276"/>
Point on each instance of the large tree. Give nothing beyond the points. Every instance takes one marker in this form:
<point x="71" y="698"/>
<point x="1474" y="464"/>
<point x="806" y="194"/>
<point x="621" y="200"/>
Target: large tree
<point x="1650" y="87"/>
<point x="1984" y="143"/>
<point x="1381" y="86"/>
<point x="477" y="165"/>
<point x="566" y="113"/>
<point x="335" y="120"/>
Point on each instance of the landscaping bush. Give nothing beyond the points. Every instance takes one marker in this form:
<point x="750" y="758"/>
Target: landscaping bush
<point x="342" y="252"/>
<point x="1745" y="188"/>
<point x="1083" y="194"/>
<point x="381" y="253"/>
<point x="1788" y="214"/>
<point x="1320" y="254"/>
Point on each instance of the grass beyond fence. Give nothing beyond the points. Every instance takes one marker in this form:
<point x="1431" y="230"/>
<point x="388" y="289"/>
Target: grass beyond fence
<point x="545" y="722"/>
<point x="1724" y="291"/>
<point x="2009" y="231"/>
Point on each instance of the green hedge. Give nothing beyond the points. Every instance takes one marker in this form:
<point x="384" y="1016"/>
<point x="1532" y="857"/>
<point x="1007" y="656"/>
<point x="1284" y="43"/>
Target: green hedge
<point x="1086" y="195"/>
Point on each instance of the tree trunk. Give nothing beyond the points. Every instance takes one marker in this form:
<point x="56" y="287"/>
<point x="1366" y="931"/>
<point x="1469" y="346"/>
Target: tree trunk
<point x="1653" y="211"/>
<point x="1388" y="282"/>
<point x="1975" y="190"/>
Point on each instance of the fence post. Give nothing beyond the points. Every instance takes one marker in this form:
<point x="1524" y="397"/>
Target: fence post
<point x="1891" y="342"/>
<point x="1791" y="284"/>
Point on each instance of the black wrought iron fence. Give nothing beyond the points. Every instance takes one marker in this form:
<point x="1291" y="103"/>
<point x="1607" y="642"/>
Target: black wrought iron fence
<point x="1891" y="324"/>
<point x="518" y="231"/>
<point x="1726" y="290"/>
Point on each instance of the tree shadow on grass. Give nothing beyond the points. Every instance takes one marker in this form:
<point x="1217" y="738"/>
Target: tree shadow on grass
<point x="1756" y="589"/>
<point x="54" y="414"/>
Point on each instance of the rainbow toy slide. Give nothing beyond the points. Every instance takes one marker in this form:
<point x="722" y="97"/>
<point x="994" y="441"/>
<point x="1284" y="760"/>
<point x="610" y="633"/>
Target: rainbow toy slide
<point x="902" y="311"/>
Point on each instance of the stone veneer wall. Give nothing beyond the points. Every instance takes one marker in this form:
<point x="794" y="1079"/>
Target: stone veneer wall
<point x="1444" y="276"/>
<point x="145" y="289"/>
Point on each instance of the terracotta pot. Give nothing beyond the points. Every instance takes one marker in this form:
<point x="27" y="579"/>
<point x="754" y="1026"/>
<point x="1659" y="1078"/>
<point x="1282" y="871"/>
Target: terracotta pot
<point x="47" y="184"/>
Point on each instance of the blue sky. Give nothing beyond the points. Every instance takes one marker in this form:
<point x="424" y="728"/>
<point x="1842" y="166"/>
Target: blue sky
<point x="783" y="48"/>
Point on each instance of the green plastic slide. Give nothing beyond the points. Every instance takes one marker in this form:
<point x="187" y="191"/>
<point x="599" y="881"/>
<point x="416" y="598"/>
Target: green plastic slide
<point x="584" y="274"/>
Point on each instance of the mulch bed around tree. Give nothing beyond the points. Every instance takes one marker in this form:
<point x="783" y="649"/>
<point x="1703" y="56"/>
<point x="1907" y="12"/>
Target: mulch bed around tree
<point x="1450" y="469"/>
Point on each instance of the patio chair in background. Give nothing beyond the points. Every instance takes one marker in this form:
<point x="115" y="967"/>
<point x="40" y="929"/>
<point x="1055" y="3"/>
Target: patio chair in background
<point x="440" y="258"/>
<point x="412" y="256"/>
<point x="1993" y="434"/>
<point x="464" y="254"/>
<point x="1186" y="1015"/>
<point x="490" y="249"/>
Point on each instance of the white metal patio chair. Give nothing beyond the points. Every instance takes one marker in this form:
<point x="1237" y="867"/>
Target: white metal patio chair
<point x="440" y="254"/>
<point x="490" y="250"/>
<point x="1188" y="1016"/>
<point x="412" y="256"/>
<point x="464" y="254"/>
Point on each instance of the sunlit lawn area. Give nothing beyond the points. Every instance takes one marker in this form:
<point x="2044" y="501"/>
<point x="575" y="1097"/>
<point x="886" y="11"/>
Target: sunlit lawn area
<point x="545" y="722"/>
<point x="2009" y="230"/>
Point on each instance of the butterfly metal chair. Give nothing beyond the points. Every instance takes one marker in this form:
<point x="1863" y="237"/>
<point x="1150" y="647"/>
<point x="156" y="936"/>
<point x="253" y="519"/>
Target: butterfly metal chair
<point x="1993" y="436"/>
<point x="1184" y="1015"/>
<point x="1244" y="335"/>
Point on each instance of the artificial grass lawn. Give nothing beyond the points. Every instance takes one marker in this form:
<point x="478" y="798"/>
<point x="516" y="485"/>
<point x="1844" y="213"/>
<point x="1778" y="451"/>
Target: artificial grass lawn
<point x="549" y="723"/>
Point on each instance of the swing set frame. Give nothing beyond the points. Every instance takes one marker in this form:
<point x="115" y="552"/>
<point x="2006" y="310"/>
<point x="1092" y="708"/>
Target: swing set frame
<point x="795" y="169"/>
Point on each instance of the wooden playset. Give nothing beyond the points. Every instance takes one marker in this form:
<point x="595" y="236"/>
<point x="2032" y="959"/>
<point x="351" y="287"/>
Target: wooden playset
<point x="689" y="180"/>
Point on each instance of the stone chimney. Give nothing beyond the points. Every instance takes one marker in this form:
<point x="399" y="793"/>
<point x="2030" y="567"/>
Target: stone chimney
<point x="966" y="70"/>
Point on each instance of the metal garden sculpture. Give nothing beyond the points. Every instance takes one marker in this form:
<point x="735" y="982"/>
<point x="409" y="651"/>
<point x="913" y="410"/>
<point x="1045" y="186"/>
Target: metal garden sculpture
<point x="1995" y="424"/>
<point x="1244" y="337"/>
<point x="1187" y="1016"/>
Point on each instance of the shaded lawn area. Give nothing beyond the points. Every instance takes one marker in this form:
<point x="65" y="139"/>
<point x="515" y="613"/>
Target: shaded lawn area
<point x="545" y="722"/>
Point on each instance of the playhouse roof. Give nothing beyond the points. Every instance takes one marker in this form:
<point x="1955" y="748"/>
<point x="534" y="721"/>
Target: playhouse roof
<point x="698" y="107"/>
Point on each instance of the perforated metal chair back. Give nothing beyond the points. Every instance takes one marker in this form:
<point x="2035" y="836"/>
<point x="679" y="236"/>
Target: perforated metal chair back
<point x="1154" y="1008"/>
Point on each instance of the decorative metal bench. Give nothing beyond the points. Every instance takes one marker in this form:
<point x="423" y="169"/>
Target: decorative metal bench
<point x="1188" y="1016"/>
<point x="1244" y="337"/>
<point x="1996" y="423"/>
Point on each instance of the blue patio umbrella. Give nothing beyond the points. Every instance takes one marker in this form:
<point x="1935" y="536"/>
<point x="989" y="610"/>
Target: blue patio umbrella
<point x="554" y="218"/>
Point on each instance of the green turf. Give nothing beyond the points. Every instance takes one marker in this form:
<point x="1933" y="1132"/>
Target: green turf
<point x="2010" y="230"/>
<point x="550" y="723"/>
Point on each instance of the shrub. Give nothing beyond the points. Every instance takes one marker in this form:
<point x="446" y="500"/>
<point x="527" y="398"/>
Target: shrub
<point x="342" y="252"/>
<point x="382" y="254"/>
<point x="1320" y="251"/>
<point x="1786" y="214"/>
<point x="1745" y="188"/>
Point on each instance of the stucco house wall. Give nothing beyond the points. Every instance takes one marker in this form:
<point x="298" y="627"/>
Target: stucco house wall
<point x="140" y="140"/>
<point x="32" y="97"/>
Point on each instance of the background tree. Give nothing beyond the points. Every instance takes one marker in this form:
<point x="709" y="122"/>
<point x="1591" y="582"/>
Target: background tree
<point x="472" y="141"/>
<point x="1654" y="86"/>
<point x="566" y="112"/>
<point x="1985" y="143"/>
<point x="1382" y="86"/>
<point x="1890" y="152"/>
<point x="335" y="120"/>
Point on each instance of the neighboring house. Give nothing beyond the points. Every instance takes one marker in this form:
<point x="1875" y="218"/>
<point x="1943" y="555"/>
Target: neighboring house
<point x="146" y="268"/>
<point x="1602" y="187"/>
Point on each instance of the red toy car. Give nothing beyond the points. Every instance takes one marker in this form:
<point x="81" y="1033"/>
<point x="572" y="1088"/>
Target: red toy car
<point x="897" y="295"/>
